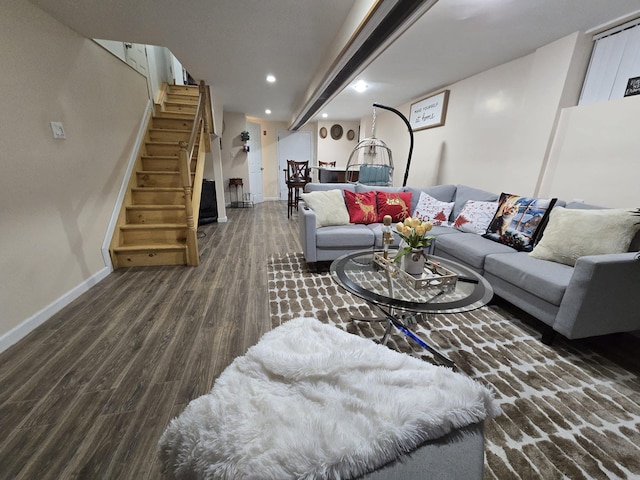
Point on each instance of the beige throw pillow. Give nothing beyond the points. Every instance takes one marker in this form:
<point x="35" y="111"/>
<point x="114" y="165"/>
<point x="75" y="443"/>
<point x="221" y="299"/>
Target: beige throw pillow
<point x="328" y="206"/>
<point x="575" y="233"/>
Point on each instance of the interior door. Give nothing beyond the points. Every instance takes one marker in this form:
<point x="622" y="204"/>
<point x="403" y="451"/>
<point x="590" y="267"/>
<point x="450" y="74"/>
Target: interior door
<point x="292" y="146"/>
<point x="254" y="158"/>
<point x="136" y="56"/>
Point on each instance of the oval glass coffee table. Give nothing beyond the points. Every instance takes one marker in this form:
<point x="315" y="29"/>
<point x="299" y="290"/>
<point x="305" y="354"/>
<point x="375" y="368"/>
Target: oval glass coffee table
<point x="394" y="297"/>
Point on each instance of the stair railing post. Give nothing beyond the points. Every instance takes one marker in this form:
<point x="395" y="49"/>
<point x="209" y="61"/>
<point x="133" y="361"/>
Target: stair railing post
<point x="185" y="175"/>
<point x="205" y="97"/>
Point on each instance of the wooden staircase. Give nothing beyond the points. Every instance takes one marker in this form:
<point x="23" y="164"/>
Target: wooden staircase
<point x="159" y="215"/>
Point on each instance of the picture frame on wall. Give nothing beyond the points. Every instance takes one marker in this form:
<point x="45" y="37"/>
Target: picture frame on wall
<point x="429" y="112"/>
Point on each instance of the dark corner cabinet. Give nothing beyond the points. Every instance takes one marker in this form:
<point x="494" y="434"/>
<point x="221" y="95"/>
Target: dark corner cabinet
<point x="208" y="203"/>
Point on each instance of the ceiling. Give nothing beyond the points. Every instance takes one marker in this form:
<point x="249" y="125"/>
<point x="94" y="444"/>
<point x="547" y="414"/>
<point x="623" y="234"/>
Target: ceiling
<point x="234" y="44"/>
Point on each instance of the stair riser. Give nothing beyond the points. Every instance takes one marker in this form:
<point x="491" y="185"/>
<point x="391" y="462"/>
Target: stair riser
<point x="163" y="165"/>
<point x="179" y="108"/>
<point x="163" y="150"/>
<point x="138" y="217"/>
<point x="190" y="90"/>
<point x="175" y="115"/>
<point x="158" y="180"/>
<point x="172" y="123"/>
<point x="157" y="198"/>
<point x="169" y="136"/>
<point x="144" y="237"/>
<point x="142" y="259"/>
<point x="181" y="98"/>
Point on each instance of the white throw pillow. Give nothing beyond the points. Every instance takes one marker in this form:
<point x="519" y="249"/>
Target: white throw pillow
<point x="574" y="233"/>
<point x="475" y="216"/>
<point x="328" y="206"/>
<point x="432" y="210"/>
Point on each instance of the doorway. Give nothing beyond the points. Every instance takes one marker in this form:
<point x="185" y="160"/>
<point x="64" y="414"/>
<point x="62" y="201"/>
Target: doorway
<point x="292" y="146"/>
<point x="254" y="159"/>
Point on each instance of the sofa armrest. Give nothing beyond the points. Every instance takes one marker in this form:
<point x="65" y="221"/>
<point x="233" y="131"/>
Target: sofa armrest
<point x="307" y="226"/>
<point x="602" y="296"/>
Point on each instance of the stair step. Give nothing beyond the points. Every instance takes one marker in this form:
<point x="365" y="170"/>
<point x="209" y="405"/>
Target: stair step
<point x="158" y="179"/>
<point x="182" y="98"/>
<point x="192" y="90"/>
<point x="156" y="214"/>
<point x="152" y="196"/>
<point x="168" y="135"/>
<point x="174" y="123"/>
<point x="155" y="233"/>
<point x="150" y="255"/>
<point x="165" y="149"/>
<point x="175" y="115"/>
<point x="179" y="108"/>
<point x="159" y="163"/>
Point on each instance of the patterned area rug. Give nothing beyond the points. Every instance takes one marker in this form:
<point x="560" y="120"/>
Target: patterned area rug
<point x="569" y="411"/>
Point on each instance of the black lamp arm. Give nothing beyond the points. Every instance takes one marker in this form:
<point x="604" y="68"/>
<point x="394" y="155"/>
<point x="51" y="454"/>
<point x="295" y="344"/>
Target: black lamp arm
<point x="404" y="119"/>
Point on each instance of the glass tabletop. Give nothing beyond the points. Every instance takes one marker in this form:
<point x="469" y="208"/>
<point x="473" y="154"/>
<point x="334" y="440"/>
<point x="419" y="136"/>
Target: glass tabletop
<point x="359" y="274"/>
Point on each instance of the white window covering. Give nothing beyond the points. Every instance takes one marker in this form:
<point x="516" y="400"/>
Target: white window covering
<point x="615" y="59"/>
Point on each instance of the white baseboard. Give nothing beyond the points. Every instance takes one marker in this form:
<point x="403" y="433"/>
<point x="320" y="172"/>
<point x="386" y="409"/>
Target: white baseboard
<point x="20" y="331"/>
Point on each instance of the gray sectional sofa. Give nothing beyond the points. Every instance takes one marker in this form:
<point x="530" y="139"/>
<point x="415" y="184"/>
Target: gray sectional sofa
<point x="597" y="296"/>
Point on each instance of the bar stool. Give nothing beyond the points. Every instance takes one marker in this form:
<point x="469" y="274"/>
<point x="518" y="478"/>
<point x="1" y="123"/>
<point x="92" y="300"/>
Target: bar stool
<point x="236" y="182"/>
<point x="297" y="176"/>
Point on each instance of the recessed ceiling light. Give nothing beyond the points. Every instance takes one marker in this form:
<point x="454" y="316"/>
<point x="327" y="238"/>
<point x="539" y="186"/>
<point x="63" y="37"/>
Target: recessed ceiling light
<point x="360" y="86"/>
<point x="325" y="115"/>
<point x="271" y="78"/>
<point x="267" y="111"/>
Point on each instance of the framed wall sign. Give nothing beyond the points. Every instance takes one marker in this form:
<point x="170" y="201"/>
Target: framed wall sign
<point x="429" y="112"/>
<point x="633" y="87"/>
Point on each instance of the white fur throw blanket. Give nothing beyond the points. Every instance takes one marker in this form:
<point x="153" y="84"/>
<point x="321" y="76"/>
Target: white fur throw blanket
<point x="311" y="401"/>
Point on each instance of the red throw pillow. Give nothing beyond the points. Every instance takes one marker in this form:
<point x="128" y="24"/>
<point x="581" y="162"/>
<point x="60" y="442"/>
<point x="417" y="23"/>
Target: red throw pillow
<point x="361" y="207"/>
<point x="398" y="205"/>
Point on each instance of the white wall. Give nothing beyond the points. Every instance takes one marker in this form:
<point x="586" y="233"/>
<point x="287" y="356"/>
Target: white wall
<point x="234" y="160"/>
<point x="595" y="154"/>
<point x="57" y="196"/>
<point x="515" y="128"/>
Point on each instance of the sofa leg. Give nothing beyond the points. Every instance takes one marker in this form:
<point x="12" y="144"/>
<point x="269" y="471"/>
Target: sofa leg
<point x="548" y="335"/>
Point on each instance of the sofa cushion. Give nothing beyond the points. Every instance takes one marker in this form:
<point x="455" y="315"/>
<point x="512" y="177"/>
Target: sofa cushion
<point x="469" y="248"/>
<point x="350" y="236"/>
<point x="519" y="220"/>
<point x="444" y="193"/>
<point x="475" y="217"/>
<point x="546" y="280"/>
<point x="362" y="207"/>
<point x="432" y="210"/>
<point x="323" y="187"/>
<point x="328" y="206"/>
<point x="372" y="188"/>
<point x="573" y="233"/>
<point x="465" y="193"/>
<point x="396" y="204"/>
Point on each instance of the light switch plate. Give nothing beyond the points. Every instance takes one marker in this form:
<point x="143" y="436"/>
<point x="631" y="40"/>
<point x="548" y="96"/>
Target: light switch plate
<point x="58" y="130"/>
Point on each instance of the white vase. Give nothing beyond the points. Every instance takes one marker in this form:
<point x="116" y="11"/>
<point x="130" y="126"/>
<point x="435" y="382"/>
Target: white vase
<point x="414" y="262"/>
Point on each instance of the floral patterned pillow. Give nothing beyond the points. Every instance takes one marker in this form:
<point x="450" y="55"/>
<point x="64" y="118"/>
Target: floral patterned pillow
<point x="432" y="210"/>
<point x="475" y="216"/>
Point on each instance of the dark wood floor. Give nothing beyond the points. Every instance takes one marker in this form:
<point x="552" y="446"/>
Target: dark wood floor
<point x="88" y="394"/>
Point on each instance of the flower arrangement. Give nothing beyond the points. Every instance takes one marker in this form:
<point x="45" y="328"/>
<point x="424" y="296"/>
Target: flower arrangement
<point x="414" y="233"/>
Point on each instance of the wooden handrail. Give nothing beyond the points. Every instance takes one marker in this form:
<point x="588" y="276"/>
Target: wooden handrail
<point x="192" y="192"/>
